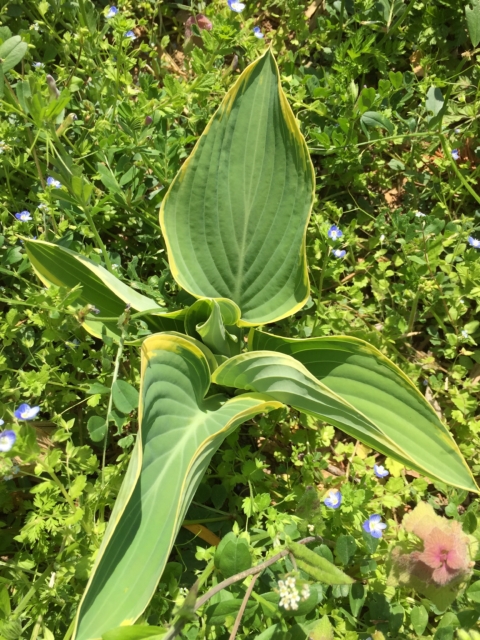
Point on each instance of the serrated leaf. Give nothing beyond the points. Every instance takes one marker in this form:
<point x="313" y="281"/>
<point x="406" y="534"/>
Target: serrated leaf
<point x="322" y="630"/>
<point x="108" y="179"/>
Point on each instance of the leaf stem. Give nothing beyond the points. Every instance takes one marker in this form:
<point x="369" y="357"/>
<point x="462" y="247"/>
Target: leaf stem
<point x="448" y="154"/>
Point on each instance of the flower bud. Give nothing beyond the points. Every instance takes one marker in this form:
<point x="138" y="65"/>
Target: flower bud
<point x="52" y="87"/>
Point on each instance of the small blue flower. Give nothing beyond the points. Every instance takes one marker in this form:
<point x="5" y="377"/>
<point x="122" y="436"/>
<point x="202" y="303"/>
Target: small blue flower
<point x="23" y="216"/>
<point x="334" y="232"/>
<point x="380" y="471"/>
<point x="112" y="12"/>
<point x="473" y="242"/>
<point x="130" y="34"/>
<point x="419" y="214"/>
<point x="374" y="526"/>
<point x="26" y="412"/>
<point x="51" y="182"/>
<point x="257" y="32"/>
<point x="455" y="154"/>
<point x="7" y="440"/>
<point x="38" y="65"/>
<point x="339" y="253"/>
<point x="465" y="334"/>
<point x="94" y="310"/>
<point x="236" y="6"/>
<point x="333" y="499"/>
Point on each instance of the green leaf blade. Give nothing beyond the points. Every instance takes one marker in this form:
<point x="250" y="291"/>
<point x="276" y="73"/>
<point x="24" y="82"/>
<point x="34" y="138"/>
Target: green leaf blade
<point x="363" y="377"/>
<point x="235" y="216"/>
<point x="55" y="265"/>
<point x="11" y="52"/>
<point x="472" y="14"/>
<point x="179" y="432"/>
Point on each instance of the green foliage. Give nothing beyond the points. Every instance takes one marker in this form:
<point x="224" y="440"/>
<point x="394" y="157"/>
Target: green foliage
<point x="408" y="285"/>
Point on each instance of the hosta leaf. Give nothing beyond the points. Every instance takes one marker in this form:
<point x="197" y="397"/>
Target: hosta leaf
<point x="64" y="268"/>
<point x="289" y="382"/>
<point x="234" y="218"/>
<point x="179" y="432"/>
<point x="362" y="376"/>
<point x="209" y="320"/>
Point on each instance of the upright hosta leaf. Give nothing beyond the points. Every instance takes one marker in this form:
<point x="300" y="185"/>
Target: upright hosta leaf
<point x="235" y="216"/>
<point x="214" y="322"/>
<point x="64" y="268"/>
<point x="179" y="432"/>
<point x="370" y="382"/>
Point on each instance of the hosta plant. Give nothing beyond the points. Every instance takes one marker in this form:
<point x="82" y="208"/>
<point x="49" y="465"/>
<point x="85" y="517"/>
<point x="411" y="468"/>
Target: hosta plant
<point x="234" y="222"/>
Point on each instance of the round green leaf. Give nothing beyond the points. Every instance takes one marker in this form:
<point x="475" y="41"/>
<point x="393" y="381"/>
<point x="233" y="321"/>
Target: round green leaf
<point x="125" y="397"/>
<point x="419" y="619"/>
<point x="97" y="428"/>
<point x="11" y="52"/>
<point x="232" y="555"/>
<point x="473" y="591"/>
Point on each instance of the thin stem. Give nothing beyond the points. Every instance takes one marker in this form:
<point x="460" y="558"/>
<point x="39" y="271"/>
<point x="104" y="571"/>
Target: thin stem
<point x="432" y="275"/>
<point x="248" y="572"/>
<point x="98" y="240"/>
<point x="448" y="154"/>
<point x="116" y="368"/>
<point x="30" y="593"/>
<point x="320" y="286"/>
<point x="36" y="628"/>
<point x="176" y="629"/>
<point x="239" y="617"/>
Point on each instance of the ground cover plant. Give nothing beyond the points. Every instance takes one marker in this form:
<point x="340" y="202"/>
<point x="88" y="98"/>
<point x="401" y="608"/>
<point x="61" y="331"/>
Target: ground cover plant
<point x="101" y="106"/>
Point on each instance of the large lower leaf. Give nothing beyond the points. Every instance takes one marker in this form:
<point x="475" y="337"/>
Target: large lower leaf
<point x="180" y="430"/>
<point x="353" y="386"/>
<point x="234" y="218"/>
<point x="64" y="268"/>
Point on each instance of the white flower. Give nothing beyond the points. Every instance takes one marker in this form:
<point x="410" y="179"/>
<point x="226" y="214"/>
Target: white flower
<point x="419" y="214"/>
<point x="464" y="333"/>
<point x="305" y="592"/>
<point x="382" y="237"/>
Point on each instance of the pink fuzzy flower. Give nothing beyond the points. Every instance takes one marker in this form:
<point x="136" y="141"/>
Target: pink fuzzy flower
<point x="439" y="562"/>
<point x="445" y="553"/>
<point x="202" y="22"/>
